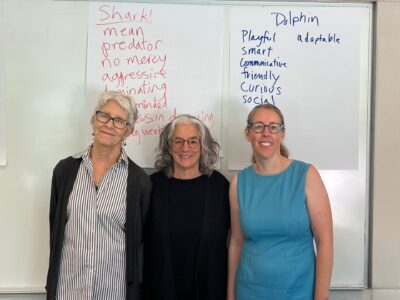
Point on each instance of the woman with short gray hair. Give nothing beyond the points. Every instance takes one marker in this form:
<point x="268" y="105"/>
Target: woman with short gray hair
<point x="98" y="205"/>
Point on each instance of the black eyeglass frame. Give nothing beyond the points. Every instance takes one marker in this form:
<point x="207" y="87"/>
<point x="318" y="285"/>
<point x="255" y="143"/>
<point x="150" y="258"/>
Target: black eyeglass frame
<point x="109" y="117"/>
<point x="279" y="127"/>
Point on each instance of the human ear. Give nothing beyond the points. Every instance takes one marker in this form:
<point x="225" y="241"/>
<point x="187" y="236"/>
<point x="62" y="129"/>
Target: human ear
<point x="129" y="132"/>
<point x="247" y="134"/>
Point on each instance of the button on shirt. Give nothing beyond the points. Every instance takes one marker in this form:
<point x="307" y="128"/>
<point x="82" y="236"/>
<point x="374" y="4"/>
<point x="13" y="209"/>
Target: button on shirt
<point x="93" y="254"/>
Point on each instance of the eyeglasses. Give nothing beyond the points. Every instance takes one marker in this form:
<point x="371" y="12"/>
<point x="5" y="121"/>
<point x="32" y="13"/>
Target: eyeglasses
<point x="179" y="142"/>
<point x="259" y="127"/>
<point x="103" y="117"/>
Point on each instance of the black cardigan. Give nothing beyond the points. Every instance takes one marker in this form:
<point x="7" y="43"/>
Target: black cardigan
<point x="137" y="204"/>
<point x="211" y="265"/>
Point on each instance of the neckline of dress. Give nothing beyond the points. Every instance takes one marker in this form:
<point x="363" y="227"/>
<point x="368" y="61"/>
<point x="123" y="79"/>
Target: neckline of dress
<point x="272" y="175"/>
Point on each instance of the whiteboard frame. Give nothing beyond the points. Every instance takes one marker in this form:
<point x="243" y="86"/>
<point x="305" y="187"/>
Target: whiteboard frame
<point x="224" y="110"/>
<point x="3" y="136"/>
<point x="365" y="162"/>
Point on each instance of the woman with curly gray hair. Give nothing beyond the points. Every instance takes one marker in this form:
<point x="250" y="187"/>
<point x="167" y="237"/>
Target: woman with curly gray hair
<point x="185" y="243"/>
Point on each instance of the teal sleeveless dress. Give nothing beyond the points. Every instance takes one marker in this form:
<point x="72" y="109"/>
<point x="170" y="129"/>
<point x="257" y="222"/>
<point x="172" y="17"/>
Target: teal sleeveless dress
<point x="277" y="261"/>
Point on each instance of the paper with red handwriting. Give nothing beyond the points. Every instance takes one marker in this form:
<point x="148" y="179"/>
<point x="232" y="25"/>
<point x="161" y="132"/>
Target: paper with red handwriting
<point x="168" y="57"/>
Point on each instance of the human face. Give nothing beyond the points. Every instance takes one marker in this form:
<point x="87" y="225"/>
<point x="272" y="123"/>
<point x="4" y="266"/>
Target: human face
<point x="186" y="158"/>
<point x="265" y="144"/>
<point x="106" y="134"/>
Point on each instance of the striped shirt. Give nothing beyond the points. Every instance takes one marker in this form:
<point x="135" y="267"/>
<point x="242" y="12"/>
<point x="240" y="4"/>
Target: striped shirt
<point x="93" y="255"/>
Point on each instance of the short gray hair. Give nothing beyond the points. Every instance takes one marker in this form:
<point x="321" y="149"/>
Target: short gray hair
<point x="126" y="102"/>
<point x="209" y="155"/>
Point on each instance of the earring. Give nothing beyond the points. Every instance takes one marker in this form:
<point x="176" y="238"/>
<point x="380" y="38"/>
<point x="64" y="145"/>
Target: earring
<point x="124" y="143"/>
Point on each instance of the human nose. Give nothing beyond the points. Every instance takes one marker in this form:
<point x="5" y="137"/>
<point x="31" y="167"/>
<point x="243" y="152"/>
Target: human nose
<point x="185" y="145"/>
<point x="110" y="122"/>
<point x="266" y="130"/>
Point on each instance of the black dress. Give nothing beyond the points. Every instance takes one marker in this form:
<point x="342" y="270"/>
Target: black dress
<point x="185" y="242"/>
<point x="185" y="213"/>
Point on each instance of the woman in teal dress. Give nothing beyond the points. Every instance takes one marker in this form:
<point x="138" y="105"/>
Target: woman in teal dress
<point x="279" y="207"/>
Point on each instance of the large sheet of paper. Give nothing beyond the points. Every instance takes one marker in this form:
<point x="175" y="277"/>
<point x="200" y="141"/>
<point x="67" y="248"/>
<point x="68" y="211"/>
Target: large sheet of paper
<point x="168" y="57"/>
<point x="311" y="62"/>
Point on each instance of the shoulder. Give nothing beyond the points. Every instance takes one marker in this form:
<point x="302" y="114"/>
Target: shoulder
<point x="313" y="174"/>
<point x="233" y="193"/>
<point x="67" y="164"/>
<point x="305" y="167"/>
<point x="300" y="164"/>
<point x="245" y="171"/>
<point x="300" y="167"/>
<point x="216" y="176"/>
<point x="233" y="183"/>
<point x="314" y="182"/>
<point x="158" y="176"/>
<point x="242" y="176"/>
<point x="234" y="178"/>
<point x="138" y="173"/>
<point x="218" y="182"/>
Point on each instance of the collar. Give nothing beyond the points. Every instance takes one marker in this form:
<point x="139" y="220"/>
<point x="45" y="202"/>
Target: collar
<point x="85" y="155"/>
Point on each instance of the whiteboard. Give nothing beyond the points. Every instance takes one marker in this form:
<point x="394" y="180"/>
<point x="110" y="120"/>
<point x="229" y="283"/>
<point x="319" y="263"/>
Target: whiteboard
<point x="47" y="94"/>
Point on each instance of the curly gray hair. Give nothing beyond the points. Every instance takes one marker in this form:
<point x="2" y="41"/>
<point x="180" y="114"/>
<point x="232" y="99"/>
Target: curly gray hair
<point x="209" y="147"/>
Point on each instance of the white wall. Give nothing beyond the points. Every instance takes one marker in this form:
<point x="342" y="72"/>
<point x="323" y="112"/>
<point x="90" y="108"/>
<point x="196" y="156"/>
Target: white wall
<point x="385" y="223"/>
<point x="385" y="260"/>
<point x="45" y="93"/>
